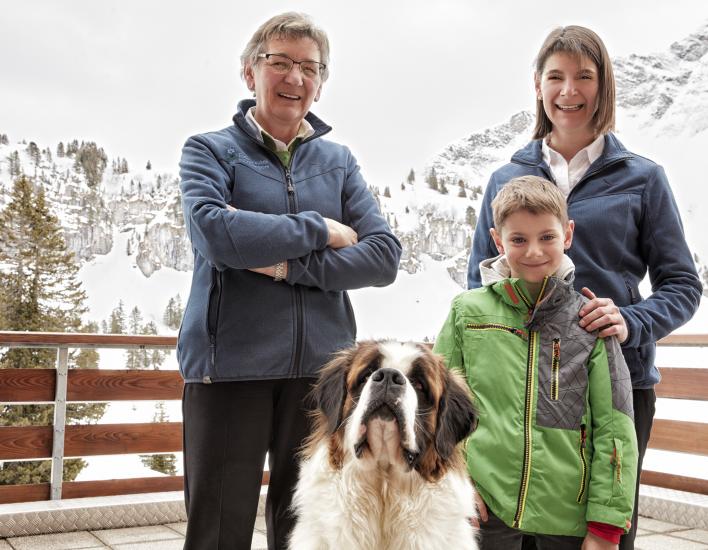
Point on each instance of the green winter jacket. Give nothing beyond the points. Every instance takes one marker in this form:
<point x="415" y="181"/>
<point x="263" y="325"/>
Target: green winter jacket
<point x="555" y="445"/>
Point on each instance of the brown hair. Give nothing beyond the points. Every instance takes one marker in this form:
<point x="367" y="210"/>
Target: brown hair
<point x="579" y="41"/>
<point x="286" y="25"/>
<point x="530" y="193"/>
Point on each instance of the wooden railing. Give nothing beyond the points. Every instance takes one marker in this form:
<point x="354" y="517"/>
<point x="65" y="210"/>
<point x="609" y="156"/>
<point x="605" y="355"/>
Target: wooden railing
<point x="61" y="385"/>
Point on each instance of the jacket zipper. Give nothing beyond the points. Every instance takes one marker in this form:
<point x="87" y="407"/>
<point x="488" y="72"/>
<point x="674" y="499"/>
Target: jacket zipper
<point x="555" y="368"/>
<point x="292" y="207"/>
<point x="213" y="315"/>
<point x="583" y="463"/>
<point x="495" y="326"/>
<point x="617" y="462"/>
<point x="528" y="404"/>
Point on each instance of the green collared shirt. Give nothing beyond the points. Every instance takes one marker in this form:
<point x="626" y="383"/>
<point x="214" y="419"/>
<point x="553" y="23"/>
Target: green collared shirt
<point x="283" y="151"/>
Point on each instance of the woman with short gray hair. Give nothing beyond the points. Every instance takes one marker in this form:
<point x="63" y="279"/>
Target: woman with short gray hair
<point x="282" y="224"/>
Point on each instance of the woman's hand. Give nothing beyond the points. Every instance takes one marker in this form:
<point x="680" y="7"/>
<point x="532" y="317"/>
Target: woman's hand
<point x="593" y="542"/>
<point x="602" y="314"/>
<point x="340" y="235"/>
<point x="481" y="509"/>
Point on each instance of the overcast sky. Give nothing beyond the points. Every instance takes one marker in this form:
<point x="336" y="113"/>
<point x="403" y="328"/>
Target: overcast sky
<point x="407" y="77"/>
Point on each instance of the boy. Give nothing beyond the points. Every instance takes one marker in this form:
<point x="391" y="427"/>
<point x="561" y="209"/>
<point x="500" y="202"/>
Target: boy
<point x="555" y="450"/>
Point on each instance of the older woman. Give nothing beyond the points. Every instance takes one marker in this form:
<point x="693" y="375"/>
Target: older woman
<point x="627" y="223"/>
<point x="282" y="224"/>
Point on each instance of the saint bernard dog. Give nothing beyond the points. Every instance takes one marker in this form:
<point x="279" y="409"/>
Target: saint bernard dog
<point x="383" y="469"/>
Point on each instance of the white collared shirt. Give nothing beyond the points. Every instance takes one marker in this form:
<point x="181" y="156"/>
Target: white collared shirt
<point x="568" y="174"/>
<point x="304" y="132"/>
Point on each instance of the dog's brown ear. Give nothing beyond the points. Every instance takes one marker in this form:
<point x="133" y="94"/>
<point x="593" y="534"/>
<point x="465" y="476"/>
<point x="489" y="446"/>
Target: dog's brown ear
<point x="456" y="416"/>
<point x="331" y="389"/>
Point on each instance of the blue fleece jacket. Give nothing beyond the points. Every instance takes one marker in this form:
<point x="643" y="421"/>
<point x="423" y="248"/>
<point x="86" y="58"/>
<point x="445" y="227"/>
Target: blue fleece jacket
<point x="626" y="223"/>
<point x="241" y="325"/>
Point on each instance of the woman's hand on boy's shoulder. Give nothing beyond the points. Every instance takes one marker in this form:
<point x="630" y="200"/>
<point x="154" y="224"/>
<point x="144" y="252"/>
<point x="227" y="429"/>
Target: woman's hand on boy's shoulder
<point x="602" y="314"/>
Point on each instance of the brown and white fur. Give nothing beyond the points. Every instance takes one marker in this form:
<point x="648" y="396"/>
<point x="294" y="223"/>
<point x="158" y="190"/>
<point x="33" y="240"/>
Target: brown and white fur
<point x="384" y="469"/>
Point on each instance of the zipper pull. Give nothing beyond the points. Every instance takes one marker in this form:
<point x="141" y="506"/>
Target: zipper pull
<point x="289" y="181"/>
<point x="583" y="436"/>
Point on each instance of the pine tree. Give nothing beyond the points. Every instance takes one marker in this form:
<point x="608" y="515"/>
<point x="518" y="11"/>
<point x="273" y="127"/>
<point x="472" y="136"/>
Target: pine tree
<point x="71" y="148"/>
<point x="15" y="166"/>
<point x="134" y="358"/>
<point x="432" y="180"/>
<point x="173" y="312"/>
<point x="387" y="192"/>
<point x="411" y="177"/>
<point x="40" y="292"/>
<point x="471" y="217"/>
<point x="442" y="187"/>
<point x="60" y="150"/>
<point x="4" y="140"/>
<point x="462" y="192"/>
<point x="155" y="357"/>
<point x="164" y="463"/>
<point x="116" y="321"/>
<point x="148" y="166"/>
<point x="33" y="152"/>
<point x="92" y="161"/>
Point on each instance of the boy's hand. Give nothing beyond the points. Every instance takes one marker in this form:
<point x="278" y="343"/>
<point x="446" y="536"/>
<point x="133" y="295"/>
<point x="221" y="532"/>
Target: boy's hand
<point x="593" y="542"/>
<point x="481" y="509"/>
<point x="602" y="314"/>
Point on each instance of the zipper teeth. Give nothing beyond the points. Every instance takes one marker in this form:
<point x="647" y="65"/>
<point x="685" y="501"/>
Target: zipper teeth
<point x="523" y="297"/>
<point x="540" y="293"/>
<point x="555" y="369"/>
<point x="292" y="206"/>
<point x="584" y="463"/>
<point x="496" y="326"/>
<point x="526" y="470"/>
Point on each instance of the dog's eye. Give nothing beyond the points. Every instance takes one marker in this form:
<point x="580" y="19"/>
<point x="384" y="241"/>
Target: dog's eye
<point x="364" y="376"/>
<point x="418" y="385"/>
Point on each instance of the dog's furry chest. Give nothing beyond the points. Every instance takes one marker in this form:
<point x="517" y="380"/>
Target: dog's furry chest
<point x="349" y="509"/>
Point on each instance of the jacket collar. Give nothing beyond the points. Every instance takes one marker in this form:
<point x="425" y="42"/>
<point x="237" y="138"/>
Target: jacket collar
<point x="556" y="289"/>
<point x="320" y="127"/>
<point x="613" y="152"/>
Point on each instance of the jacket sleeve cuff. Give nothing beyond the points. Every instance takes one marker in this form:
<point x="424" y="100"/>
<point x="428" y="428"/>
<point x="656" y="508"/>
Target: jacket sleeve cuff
<point x="600" y="513"/>
<point x="631" y="331"/>
<point x="610" y="533"/>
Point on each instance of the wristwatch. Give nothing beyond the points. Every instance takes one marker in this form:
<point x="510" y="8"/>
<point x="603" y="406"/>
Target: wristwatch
<point x="279" y="274"/>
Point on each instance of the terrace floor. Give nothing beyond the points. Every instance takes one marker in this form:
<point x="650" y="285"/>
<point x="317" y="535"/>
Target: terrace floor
<point x="653" y="535"/>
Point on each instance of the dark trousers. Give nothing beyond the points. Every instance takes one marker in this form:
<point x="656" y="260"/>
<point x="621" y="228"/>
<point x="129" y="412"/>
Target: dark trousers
<point x="228" y="428"/>
<point x="644" y="409"/>
<point x="496" y="535"/>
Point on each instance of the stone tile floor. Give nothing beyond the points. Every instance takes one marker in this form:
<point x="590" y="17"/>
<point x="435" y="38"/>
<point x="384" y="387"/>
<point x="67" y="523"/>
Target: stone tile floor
<point x="653" y="535"/>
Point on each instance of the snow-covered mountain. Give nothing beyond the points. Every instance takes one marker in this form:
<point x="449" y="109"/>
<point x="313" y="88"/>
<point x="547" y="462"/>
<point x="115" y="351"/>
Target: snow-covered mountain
<point x="126" y="226"/>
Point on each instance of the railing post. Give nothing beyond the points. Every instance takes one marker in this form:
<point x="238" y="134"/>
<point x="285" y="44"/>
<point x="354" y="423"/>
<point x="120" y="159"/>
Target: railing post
<point x="59" y="422"/>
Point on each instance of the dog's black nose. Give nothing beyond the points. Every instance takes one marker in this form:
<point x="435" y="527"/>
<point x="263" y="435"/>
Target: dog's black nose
<point x="388" y="375"/>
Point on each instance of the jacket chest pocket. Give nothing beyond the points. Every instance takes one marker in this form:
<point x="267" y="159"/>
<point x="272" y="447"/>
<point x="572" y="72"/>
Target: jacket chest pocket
<point x="562" y="383"/>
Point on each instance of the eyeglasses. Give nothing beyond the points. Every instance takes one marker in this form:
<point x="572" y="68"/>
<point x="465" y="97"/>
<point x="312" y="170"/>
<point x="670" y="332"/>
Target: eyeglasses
<point x="282" y="64"/>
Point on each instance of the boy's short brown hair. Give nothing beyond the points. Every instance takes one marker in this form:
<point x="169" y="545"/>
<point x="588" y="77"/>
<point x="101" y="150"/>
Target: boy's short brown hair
<point x="531" y="193"/>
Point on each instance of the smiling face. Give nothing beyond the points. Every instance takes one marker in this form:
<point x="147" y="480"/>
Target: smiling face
<point x="569" y="86"/>
<point x="534" y="244"/>
<point x="283" y="100"/>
